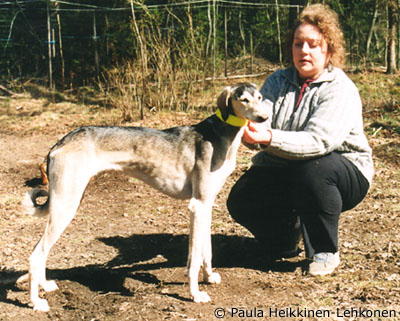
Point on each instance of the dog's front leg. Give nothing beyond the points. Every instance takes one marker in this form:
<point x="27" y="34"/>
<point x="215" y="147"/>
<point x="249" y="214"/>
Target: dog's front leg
<point x="198" y="228"/>
<point x="209" y="275"/>
<point x="200" y="249"/>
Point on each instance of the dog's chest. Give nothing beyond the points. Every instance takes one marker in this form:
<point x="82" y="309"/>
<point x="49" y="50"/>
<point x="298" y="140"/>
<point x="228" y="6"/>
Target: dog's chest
<point x="227" y="158"/>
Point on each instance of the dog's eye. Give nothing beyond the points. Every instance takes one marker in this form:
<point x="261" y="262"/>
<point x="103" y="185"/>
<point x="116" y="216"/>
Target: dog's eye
<point x="245" y="100"/>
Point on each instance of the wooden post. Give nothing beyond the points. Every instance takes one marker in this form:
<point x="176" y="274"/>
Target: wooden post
<point x="107" y="38"/>
<point x="279" y="32"/>
<point x="53" y="43"/>
<point x="49" y="45"/>
<point x="96" y="50"/>
<point x="215" y="36"/>
<point x="61" y="51"/>
<point x="251" y="52"/>
<point x="226" y="43"/>
<point x="143" y="56"/>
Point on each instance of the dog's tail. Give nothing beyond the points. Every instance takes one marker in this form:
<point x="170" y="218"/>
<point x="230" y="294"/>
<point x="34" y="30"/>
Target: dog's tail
<point x="32" y="207"/>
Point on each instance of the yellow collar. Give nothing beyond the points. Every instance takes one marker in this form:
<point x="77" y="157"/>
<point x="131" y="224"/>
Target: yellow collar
<point x="232" y="120"/>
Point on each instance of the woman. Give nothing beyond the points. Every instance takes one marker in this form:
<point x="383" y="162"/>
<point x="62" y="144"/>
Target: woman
<point x="316" y="161"/>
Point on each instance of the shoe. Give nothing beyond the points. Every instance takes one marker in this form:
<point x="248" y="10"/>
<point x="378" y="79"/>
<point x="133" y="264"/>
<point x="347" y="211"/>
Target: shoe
<point x="324" y="263"/>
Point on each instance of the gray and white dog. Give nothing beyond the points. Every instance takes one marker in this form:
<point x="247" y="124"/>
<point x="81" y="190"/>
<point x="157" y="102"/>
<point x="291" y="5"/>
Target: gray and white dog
<point x="188" y="162"/>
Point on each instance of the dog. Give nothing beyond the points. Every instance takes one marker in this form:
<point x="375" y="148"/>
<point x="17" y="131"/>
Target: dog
<point x="186" y="162"/>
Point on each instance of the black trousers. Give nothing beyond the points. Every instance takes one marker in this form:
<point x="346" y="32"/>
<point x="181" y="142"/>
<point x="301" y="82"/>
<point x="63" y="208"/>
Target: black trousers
<point x="269" y="200"/>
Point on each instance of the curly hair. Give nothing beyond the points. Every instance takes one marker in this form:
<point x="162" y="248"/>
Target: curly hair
<point x="327" y="21"/>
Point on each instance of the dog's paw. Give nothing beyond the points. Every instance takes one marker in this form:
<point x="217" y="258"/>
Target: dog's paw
<point x="214" y="278"/>
<point x="201" y="297"/>
<point x="41" y="305"/>
<point x="49" y="286"/>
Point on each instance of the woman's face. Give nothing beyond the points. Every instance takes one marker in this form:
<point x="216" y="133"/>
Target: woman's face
<point x="310" y="51"/>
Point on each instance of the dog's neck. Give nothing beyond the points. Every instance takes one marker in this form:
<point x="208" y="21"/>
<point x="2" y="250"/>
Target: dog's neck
<point x="232" y="119"/>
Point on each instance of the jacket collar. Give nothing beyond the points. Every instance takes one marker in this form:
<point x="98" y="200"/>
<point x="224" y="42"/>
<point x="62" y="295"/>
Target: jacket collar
<point x="327" y="75"/>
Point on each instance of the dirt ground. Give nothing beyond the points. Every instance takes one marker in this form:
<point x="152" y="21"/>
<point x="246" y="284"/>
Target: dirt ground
<point x="123" y="257"/>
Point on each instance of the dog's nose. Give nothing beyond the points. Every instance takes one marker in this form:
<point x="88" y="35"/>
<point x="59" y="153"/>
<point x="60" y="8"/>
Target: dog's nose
<point x="261" y="119"/>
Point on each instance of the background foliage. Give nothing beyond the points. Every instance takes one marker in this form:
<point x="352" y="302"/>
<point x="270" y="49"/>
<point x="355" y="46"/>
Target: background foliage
<point x="151" y="52"/>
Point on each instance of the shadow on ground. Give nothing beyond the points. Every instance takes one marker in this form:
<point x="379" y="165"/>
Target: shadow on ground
<point x="139" y="254"/>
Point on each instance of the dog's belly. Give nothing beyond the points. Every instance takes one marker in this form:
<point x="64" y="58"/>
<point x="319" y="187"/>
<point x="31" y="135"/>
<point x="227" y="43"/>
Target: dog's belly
<point x="174" y="182"/>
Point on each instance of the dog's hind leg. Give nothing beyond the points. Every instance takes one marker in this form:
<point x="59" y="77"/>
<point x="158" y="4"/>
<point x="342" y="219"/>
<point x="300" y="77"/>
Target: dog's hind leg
<point x="64" y="201"/>
<point x="37" y="261"/>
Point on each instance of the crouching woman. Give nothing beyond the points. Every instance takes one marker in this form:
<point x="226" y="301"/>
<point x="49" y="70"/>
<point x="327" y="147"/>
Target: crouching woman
<point x="316" y="162"/>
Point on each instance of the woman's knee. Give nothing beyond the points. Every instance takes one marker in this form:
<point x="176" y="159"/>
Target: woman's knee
<point x="324" y="179"/>
<point x="235" y="200"/>
<point x="315" y="185"/>
<point x="248" y="194"/>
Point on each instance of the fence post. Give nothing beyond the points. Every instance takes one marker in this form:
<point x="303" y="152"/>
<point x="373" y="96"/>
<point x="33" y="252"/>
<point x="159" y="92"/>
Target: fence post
<point x="144" y="62"/>
<point x="214" y="35"/>
<point x="49" y="45"/>
<point x="226" y="43"/>
<point x="96" y="50"/>
<point x="279" y="32"/>
<point x="61" y="49"/>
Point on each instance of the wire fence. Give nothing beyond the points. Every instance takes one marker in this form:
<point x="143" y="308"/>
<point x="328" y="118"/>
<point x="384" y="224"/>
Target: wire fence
<point x="73" y="41"/>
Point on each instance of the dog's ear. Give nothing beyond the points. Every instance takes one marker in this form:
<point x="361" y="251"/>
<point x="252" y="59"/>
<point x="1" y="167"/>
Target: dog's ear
<point x="223" y="102"/>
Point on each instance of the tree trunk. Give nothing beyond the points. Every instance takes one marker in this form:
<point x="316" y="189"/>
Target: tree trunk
<point x="371" y="29"/>
<point x="210" y="29"/>
<point x="242" y="35"/>
<point x="398" y="32"/>
<point x="391" y="50"/>
<point x="279" y="32"/>
<point x="143" y="59"/>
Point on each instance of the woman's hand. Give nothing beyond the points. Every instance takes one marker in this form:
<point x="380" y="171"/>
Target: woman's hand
<point x="256" y="133"/>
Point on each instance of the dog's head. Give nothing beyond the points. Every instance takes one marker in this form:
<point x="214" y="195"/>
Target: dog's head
<point x="242" y="100"/>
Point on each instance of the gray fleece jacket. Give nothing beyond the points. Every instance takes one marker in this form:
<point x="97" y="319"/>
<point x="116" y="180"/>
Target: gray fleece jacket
<point x="328" y="119"/>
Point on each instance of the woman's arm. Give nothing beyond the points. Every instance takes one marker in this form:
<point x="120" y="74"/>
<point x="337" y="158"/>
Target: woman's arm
<point x="338" y="110"/>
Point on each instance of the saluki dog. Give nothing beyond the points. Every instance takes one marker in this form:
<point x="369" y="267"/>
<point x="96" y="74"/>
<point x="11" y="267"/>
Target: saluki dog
<point x="187" y="162"/>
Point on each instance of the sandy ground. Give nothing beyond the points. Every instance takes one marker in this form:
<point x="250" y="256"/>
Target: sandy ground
<point x="123" y="257"/>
